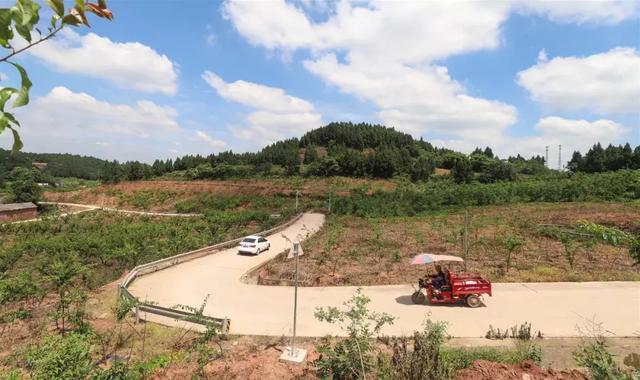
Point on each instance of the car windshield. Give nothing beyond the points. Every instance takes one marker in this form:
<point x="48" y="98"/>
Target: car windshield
<point x="249" y="240"/>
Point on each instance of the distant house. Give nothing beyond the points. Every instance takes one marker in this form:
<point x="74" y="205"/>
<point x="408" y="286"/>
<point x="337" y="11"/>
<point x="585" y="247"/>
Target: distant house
<point x="39" y="165"/>
<point x="18" y="211"/>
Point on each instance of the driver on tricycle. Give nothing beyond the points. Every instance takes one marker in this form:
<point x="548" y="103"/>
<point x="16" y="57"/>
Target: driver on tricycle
<point x="439" y="279"/>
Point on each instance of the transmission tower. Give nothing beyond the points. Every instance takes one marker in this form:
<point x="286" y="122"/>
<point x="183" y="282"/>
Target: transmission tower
<point x="546" y="156"/>
<point x="559" y="157"/>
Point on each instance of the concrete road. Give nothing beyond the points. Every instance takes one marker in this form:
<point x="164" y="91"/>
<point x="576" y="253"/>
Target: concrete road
<point x="557" y="309"/>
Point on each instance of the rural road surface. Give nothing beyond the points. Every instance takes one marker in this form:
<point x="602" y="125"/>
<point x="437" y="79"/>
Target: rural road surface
<point x="556" y="309"/>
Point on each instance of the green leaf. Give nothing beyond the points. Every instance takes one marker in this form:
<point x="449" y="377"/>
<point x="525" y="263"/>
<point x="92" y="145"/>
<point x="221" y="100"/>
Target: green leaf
<point x="25" y="14"/>
<point x="5" y="94"/>
<point x="12" y="119"/>
<point x="6" y="32"/>
<point x="4" y="122"/>
<point x="25" y="86"/>
<point x="17" y="142"/>
<point x="71" y="19"/>
<point x="57" y="6"/>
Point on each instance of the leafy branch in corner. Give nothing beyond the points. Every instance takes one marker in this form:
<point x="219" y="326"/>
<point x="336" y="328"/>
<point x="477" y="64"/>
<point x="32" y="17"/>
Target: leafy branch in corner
<point x="23" y="18"/>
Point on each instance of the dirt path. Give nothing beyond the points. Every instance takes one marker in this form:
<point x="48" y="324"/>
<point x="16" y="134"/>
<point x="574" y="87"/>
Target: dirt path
<point x="557" y="309"/>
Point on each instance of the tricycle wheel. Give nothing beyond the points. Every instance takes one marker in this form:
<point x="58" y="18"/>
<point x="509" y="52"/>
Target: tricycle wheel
<point x="473" y="300"/>
<point x="418" y="297"/>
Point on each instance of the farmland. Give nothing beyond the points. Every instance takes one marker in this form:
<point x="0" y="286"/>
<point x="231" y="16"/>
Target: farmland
<point x="354" y="250"/>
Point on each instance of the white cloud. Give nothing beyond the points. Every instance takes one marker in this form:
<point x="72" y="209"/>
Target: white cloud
<point x="256" y="95"/>
<point x="390" y="48"/>
<point x="80" y="113"/>
<point x="579" y="12"/>
<point x="603" y="83"/>
<point x="214" y="143"/>
<point x="388" y="53"/>
<point x="553" y="131"/>
<point x="276" y="116"/>
<point x="417" y="101"/>
<point x="382" y="30"/>
<point x="71" y="122"/>
<point x="129" y="65"/>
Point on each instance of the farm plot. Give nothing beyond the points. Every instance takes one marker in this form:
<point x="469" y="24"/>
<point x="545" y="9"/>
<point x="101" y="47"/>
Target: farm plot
<point x="507" y="244"/>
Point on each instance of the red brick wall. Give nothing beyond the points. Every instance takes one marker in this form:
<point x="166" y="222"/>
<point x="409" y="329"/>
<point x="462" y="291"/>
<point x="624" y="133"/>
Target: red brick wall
<point x="13" y="215"/>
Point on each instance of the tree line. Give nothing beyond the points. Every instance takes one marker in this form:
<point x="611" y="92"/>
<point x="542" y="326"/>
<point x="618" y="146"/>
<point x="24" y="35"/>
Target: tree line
<point x="58" y="164"/>
<point x="345" y="149"/>
<point x="611" y="158"/>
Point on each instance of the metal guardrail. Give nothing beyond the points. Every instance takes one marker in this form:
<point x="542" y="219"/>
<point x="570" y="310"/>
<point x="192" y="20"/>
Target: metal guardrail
<point x="154" y="266"/>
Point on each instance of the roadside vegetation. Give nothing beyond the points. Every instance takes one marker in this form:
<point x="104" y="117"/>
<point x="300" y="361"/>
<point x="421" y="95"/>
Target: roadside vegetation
<point x="112" y="346"/>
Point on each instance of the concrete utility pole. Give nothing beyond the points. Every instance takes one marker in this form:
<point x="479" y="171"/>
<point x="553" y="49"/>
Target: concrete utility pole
<point x="291" y="353"/>
<point x="465" y="240"/>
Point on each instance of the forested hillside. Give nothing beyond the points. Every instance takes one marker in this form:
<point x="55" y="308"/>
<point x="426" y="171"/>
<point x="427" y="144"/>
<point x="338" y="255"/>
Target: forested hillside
<point x="345" y="149"/>
<point x="58" y="164"/>
<point x="337" y="149"/>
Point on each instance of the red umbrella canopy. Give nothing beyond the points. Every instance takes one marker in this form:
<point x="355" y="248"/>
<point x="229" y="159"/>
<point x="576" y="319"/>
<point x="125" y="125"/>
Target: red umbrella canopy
<point x="428" y="258"/>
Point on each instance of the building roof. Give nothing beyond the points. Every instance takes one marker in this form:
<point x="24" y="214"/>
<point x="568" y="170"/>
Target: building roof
<point x="17" y="206"/>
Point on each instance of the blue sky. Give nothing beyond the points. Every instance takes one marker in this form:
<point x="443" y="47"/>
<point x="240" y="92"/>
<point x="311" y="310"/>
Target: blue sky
<point x="169" y="78"/>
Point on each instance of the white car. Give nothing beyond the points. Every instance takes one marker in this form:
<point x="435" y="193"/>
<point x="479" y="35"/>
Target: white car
<point x="253" y="245"/>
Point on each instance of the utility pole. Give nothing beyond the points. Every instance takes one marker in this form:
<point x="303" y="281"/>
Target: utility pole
<point x="465" y="240"/>
<point x="559" y="157"/>
<point x="329" y="208"/>
<point x="546" y="156"/>
<point x="297" y="192"/>
<point x="291" y="353"/>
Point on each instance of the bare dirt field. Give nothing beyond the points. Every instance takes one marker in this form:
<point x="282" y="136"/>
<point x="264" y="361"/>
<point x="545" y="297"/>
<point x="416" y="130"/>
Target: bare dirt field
<point x="162" y="195"/>
<point x="357" y="251"/>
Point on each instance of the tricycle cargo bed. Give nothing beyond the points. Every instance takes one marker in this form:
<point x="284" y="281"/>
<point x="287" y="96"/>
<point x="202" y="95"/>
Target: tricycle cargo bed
<point x="469" y="284"/>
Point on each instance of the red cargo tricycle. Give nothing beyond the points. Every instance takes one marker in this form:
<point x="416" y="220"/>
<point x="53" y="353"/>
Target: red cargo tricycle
<point x="457" y="287"/>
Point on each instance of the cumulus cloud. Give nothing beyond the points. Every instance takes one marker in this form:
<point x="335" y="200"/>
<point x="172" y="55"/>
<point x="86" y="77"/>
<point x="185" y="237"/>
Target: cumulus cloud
<point x="417" y="101"/>
<point x="128" y="65"/>
<point x="604" y="83"/>
<point x="382" y="30"/>
<point x="80" y="113"/>
<point x="276" y="115"/>
<point x="256" y="95"/>
<point x="388" y="60"/>
<point x="75" y="122"/>
<point x="390" y="53"/>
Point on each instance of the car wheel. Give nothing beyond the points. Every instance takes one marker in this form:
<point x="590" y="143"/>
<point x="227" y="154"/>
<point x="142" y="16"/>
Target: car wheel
<point x="473" y="300"/>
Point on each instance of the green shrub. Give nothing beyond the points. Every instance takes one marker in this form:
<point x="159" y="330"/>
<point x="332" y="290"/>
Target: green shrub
<point x="425" y="359"/>
<point x="593" y="355"/>
<point x="352" y="357"/>
<point x="61" y="358"/>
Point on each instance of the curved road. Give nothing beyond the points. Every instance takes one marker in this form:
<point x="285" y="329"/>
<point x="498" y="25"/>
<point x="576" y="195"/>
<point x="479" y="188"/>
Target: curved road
<point x="557" y="309"/>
